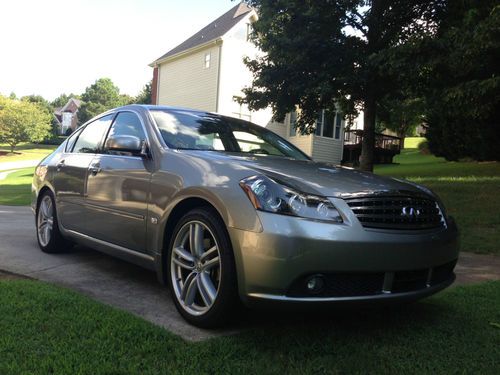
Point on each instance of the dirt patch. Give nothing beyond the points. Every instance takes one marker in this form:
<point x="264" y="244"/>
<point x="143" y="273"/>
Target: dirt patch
<point x="475" y="268"/>
<point x="4" y="275"/>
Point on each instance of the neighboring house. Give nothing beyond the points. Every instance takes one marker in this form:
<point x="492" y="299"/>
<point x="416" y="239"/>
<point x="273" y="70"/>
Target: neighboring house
<point x="67" y="116"/>
<point x="207" y="72"/>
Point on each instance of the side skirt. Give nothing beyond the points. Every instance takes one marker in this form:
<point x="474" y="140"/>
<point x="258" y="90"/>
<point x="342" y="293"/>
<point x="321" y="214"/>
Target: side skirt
<point x="143" y="260"/>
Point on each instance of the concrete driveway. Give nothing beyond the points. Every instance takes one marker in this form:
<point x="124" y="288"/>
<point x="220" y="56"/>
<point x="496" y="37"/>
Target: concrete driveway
<point x="104" y="278"/>
<point x="136" y="290"/>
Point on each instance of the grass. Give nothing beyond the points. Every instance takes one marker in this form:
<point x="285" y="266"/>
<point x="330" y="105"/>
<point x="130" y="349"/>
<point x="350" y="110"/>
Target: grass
<point x="15" y="189"/>
<point x="25" y="151"/>
<point x="413" y="142"/>
<point x="47" y="329"/>
<point x="469" y="191"/>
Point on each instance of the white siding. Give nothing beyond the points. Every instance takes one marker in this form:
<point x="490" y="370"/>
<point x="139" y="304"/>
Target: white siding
<point x="185" y="81"/>
<point x="235" y="76"/>
<point x="327" y="150"/>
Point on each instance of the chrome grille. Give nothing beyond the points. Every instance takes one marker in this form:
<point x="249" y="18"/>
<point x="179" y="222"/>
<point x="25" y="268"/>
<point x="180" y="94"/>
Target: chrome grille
<point x="396" y="212"/>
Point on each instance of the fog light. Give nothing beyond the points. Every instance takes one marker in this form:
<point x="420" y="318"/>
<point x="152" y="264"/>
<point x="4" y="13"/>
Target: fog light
<point x="315" y="284"/>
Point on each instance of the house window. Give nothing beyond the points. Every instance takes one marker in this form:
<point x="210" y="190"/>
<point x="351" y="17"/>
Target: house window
<point x="328" y="124"/>
<point x="293" y="120"/>
<point x="207" y="60"/>
<point x="338" y="125"/>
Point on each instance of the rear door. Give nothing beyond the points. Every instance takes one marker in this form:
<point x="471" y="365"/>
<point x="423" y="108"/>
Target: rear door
<point x="71" y="173"/>
<point x="118" y="190"/>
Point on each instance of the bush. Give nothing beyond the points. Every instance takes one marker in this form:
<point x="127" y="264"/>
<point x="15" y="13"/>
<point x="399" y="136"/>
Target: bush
<point x="423" y="147"/>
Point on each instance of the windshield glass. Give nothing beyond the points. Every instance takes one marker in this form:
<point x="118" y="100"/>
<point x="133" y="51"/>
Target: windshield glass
<point x="185" y="130"/>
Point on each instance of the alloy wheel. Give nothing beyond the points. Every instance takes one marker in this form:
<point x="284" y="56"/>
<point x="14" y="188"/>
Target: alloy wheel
<point x="45" y="220"/>
<point x="195" y="267"/>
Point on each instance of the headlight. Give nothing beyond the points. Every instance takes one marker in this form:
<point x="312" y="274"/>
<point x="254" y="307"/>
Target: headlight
<point x="270" y="196"/>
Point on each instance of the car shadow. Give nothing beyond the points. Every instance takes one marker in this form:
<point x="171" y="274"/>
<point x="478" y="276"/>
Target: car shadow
<point x="134" y="286"/>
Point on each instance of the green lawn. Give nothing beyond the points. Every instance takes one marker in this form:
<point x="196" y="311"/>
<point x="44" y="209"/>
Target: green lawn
<point x="25" y="151"/>
<point x="15" y="189"/>
<point x="413" y="142"/>
<point x="469" y="190"/>
<point x="50" y="330"/>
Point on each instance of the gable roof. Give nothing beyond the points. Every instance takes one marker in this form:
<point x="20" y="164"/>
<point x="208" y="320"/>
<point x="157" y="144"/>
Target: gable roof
<point x="212" y="31"/>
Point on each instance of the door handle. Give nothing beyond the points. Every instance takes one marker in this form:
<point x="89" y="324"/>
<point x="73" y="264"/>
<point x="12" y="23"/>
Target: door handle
<point x="60" y="165"/>
<point x="95" y="169"/>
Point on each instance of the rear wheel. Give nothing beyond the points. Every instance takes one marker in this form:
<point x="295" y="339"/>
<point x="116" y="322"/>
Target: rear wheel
<point x="49" y="237"/>
<point x="202" y="274"/>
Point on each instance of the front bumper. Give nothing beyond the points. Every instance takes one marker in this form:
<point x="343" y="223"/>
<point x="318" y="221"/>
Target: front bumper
<point x="290" y="249"/>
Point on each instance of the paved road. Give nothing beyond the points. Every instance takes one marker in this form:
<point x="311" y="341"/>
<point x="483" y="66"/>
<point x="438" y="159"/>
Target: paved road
<point x="136" y="290"/>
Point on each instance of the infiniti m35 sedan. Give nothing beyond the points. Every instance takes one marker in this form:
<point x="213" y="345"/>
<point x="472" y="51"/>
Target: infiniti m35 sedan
<point x="224" y="210"/>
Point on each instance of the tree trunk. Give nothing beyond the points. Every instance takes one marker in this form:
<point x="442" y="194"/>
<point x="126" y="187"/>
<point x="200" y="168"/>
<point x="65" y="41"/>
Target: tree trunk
<point x="12" y="147"/>
<point x="368" y="145"/>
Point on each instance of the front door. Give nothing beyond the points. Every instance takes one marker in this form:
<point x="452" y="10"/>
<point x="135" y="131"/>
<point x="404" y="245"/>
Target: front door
<point x="117" y="191"/>
<point x="70" y="174"/>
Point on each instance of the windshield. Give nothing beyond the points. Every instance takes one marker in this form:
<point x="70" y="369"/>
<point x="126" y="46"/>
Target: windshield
<point x="185" y="130"/>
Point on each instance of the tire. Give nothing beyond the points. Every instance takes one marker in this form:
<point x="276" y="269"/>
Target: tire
<point x="204" y="290"/>
<point x="49" y="237"/>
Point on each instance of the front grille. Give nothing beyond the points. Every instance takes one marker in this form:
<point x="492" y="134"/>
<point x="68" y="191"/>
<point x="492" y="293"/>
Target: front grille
<point x="396" y="212"/>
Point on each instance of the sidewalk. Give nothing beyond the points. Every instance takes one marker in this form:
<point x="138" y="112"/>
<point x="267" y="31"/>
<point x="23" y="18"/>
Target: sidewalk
<point x="10" y="165"/>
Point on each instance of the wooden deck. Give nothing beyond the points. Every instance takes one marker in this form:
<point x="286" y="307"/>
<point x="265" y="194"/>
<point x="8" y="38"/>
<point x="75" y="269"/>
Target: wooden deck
<point x="386" y="147"/>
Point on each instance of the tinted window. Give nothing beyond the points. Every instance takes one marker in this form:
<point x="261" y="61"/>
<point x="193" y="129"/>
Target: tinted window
<point x="71" y="140"/>
<point x="91" y="136"/>
<point x="127" y="123"/>
<point x="203" y="131"/>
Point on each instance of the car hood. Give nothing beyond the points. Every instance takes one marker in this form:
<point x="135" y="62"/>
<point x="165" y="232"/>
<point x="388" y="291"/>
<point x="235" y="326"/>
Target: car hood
<point x="309" y="176"/>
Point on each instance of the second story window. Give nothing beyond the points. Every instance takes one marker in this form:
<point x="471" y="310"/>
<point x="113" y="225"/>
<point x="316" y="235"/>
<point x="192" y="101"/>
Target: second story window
<point x="207" y="60"/>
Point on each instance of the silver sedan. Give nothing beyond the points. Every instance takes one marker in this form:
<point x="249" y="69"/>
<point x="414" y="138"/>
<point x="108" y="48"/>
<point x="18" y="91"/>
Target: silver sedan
<point x="226" y="211"/>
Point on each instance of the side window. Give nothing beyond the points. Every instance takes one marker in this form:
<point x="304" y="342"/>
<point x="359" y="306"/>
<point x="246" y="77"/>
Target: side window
<point x="127" y="123"/>
<point x="71" y="140"/>
<point x="91" y="136"/>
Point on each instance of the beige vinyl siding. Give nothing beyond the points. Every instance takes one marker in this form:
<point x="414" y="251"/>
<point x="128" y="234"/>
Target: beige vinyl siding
<point x="185" y="81"/>
<point x="327" y="149"/>
<point x="277" y="127"/>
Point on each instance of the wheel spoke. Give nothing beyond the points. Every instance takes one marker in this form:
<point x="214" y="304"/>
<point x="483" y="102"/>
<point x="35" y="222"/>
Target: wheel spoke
<point x="206" y="288"/>
<point x="184" y="254"/>
<point x="189" y="289"/>
<point x="50" y="223"/>
<point x="208" y="253"/>
<point x="182" y="263"/>
<point x="210" y="264"/>
<point x="196" y="239"/>
<point x="46" y="233"/>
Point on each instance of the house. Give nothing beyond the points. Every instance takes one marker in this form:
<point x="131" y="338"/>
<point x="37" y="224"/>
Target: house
<point x="67" y="116"/>
<point x="207" y="72"/>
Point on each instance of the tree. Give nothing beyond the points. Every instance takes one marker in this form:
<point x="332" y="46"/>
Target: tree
<point x="22" y="121"/>
<point x="144" y="96"/>
<point x="99" y="97"/>
<point x="401" y="115"/>
<point x="62" y="99"/>
<point x="463" y="74"/>
<point x="49" y="109"/>
<point x="320" y="54"/>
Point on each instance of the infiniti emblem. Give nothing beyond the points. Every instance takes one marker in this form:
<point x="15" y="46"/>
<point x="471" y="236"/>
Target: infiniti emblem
<point x="410" y="212"/>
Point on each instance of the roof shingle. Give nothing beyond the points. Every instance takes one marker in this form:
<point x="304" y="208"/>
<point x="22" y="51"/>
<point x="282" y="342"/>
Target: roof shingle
<point x="212" y="31"/>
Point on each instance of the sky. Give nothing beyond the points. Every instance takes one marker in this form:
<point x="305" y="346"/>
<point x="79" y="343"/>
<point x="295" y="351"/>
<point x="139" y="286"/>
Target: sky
<point x="50" y="47"/>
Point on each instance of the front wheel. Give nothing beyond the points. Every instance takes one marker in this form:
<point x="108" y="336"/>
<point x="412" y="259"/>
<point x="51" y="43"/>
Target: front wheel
<point x="49" y="237"/>
<point x="202" y="274"/>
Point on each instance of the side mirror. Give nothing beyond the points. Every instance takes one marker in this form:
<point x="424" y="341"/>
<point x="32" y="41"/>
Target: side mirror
<point x="126" y="143"/>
